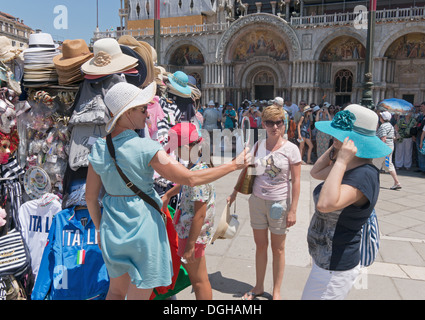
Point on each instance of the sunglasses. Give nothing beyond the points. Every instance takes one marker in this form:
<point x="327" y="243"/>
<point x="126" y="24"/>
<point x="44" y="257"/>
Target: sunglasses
<point x="271" y="124"/>
<point x="142" y="109"/>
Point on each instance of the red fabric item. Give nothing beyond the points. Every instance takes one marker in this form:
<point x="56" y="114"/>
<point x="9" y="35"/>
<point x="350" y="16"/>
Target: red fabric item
<point x="252" y="121"/>
<point x="173" y="240"/>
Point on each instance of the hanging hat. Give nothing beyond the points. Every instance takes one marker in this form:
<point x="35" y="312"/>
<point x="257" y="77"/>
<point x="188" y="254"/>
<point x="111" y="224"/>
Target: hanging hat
<point x="39" y="69"/>
<point x="7" y="51"/>
<point x="40" y="42"/>
<point x="138" y="78"/>
<point x="108" y="59"/>
<point x="74" y="54"/>
<point x="227" y="225"/>
<point x="144" y="53"/>
<point x="179" y="80"/>
<point x="359" y="125"/>
<point x="123" y="96"/>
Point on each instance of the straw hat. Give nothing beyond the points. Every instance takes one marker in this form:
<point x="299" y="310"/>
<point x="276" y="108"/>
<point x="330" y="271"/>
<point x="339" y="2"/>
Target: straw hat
<point x="137" y="78"/>
<point x="359" y="125"/>
<point x="180" y="83"/>
<point x="123" y="96"/>
<point x="7" y="51"/>
<point x="108" y="59"/>
<point x="307" y="109"/>
<point x="74" y="54"/>
<point x="144" y="51"/>
<point x="227" y="225"/>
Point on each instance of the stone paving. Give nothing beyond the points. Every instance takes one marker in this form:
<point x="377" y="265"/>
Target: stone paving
<point x="397" y="274"/>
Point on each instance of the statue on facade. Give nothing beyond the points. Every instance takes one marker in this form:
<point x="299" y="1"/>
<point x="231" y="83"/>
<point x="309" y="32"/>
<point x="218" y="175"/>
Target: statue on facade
<point x="242" y="7"/>
<point x="228" y="10"/>
<point x="227" y="7"/>
<point x="281" y="5"/>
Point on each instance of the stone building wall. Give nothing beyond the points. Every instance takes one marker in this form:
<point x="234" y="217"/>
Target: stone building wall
<point x="297" y="60"/>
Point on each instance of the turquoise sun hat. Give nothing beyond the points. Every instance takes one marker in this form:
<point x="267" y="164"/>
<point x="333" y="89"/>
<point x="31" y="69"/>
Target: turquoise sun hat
<point x="359" y="124"/>
<point x="179" y="80"/>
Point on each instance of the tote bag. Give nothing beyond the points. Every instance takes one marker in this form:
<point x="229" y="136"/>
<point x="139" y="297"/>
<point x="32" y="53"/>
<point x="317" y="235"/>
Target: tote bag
<point x="369" y="244"/>
<point x="14" y="254"/>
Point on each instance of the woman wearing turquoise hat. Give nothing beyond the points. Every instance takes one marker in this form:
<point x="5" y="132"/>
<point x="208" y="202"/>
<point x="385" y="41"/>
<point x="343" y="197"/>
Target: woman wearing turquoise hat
<point x="343" y="202"/>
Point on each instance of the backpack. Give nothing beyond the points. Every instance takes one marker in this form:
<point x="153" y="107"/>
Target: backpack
<point x="369" y="243"/>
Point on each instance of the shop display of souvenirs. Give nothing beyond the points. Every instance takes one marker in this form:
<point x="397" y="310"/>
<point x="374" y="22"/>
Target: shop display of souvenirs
<point x="52" y="110"/>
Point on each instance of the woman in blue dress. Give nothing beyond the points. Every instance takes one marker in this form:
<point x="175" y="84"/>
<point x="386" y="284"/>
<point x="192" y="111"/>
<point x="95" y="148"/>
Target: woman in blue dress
<point x="133" y="236"/>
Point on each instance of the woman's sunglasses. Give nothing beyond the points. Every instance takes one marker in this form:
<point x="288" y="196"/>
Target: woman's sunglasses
<point x="271" y="124"/>
<point x="142" y="109"/>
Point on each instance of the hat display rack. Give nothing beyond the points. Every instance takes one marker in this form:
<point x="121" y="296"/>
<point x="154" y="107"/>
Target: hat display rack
<point x="52" y="111"/>
<point x="55" y="95"/>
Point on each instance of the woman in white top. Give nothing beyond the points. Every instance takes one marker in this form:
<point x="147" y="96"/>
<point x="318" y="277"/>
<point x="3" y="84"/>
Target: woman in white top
<point x="277" y="161"/>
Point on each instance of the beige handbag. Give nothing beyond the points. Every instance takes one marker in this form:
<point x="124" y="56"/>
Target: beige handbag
<point x="246" y="178"/>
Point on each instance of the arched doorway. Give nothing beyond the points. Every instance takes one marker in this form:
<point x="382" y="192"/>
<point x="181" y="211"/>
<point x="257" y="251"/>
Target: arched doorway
<point x="260" y="81"/>
<point x="405" y="61"/>
<point x="343" y="86"/>
<point x="263" y="84"/>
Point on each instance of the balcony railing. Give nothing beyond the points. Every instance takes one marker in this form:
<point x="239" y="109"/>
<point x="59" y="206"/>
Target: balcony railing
<point x="166" y="31"/>
<point x="297" y="22"/>
<point x="348" y="17"/>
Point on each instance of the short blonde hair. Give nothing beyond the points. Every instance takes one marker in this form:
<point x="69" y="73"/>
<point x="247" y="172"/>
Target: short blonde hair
<point x="273" y="112"/>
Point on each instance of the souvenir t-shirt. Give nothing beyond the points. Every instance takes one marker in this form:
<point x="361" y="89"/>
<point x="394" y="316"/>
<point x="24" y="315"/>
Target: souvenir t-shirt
<point x="36" y="217"/>
<point x="203" y="193"/>
<point x="273" y="171"/>
<point x="334" y="238"/>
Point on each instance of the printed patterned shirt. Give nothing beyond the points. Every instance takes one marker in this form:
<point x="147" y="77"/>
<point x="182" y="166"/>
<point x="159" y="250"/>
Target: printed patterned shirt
<point x="334" y="238"/>
<point x="189" y="195"/>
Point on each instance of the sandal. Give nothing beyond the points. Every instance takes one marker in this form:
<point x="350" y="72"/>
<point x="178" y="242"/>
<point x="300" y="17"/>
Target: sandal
<point x="396" y="186"/>
<point x="251" y="295"/>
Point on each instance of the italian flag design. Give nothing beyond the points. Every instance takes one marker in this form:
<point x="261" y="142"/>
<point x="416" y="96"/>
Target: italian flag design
<point x="81" y="256"/>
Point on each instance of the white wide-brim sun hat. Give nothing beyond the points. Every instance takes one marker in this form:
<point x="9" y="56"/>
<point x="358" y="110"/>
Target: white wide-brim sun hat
<point x="226" y="227"/>
<point x="123" y="96"/>
<point x="108" y="59"/>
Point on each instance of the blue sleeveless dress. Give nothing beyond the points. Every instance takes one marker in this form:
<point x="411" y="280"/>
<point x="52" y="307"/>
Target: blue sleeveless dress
<point x="133" y="235"/>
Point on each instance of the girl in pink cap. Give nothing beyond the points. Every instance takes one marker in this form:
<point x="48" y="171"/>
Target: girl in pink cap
<point x="194" y="219"/>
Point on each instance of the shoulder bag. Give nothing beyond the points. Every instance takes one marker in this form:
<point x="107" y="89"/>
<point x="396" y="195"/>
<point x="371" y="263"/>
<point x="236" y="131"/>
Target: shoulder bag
<point x="15" y="258"/>
<point x="369" y="243"/>
<point x="130" y="185"/>
<point x="246" y="178"/>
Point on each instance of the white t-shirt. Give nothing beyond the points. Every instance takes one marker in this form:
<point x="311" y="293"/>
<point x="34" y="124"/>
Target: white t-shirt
<point x="273" y="171"/>
<point x="36" y="217"/>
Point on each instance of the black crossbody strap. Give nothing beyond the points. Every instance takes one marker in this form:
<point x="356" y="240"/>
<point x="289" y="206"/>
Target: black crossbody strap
<point x="128" y="183"/>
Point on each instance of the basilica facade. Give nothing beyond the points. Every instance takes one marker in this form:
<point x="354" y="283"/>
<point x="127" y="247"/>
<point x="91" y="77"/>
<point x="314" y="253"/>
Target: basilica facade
<point x="299" y="50"/>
